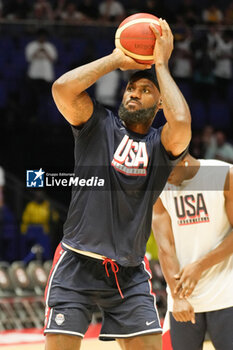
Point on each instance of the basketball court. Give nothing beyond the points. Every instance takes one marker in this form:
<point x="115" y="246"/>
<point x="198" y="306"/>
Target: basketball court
<point x="34" y="340"/>
<point x="88" y="344"/>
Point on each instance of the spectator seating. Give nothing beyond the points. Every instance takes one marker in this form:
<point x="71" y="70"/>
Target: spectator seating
<point x="6" y="286"/>
<point x="219" y="115"/>
<point x="38" y="276"/>
<point x="3" y="93"/>
<point x="74" y="50"/>
<point x="35" y="235"/>
<point x="21" y="295"/>
<point x="199" y="115"/>
<point x="47" y="266"/>
<point x="9" y="242"/>
<point x="22" y="284"/>
<point x="8" y="234"/>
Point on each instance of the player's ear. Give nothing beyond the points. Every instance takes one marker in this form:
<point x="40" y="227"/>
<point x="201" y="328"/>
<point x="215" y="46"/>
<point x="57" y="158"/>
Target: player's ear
<point x="160" y="104"/>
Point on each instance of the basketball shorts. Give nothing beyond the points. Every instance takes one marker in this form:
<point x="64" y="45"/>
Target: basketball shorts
<point x="218" y="324"/>
<point x="78" y="284"/>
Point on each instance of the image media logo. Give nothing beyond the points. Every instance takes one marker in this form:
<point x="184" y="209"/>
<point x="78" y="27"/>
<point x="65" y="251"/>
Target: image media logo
<point x="35" y="178"/>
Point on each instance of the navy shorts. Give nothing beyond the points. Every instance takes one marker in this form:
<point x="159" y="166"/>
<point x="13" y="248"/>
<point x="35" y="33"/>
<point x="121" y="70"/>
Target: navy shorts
<point x="218" y="324"/>
<point x="77" y="284"/>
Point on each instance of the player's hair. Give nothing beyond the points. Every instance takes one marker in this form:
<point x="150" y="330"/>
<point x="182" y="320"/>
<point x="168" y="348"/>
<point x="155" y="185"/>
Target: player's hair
<point x="144" y="74"/>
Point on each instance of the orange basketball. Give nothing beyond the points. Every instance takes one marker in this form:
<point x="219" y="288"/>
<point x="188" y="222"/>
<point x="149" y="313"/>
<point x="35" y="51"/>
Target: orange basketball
<point x="135" y="38"/>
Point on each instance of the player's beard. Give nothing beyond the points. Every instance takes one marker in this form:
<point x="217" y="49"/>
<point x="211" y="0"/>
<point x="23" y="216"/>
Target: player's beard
<point x="140" y="116"/>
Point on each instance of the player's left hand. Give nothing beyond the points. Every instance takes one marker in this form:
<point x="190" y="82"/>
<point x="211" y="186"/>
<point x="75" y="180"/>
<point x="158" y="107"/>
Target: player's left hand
<point x="187" y="280"/>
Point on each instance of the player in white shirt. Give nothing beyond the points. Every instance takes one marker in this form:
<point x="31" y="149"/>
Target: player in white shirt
<point x="193" y="226"/>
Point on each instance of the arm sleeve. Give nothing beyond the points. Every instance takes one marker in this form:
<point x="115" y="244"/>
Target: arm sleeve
<point x="168" y="157"/>
<point x="98" y="116"/>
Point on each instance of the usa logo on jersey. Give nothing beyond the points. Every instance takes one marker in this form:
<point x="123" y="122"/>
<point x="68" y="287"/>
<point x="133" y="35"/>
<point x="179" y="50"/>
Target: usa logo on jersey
<point x="131" y="157"/>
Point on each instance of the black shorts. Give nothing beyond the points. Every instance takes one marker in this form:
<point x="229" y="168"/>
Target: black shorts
<point x="218" y="324"/>
<point x="77" y="284"/>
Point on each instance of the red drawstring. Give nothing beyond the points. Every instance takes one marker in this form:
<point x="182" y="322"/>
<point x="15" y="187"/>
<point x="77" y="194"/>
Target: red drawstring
<point x="115" y="269"/>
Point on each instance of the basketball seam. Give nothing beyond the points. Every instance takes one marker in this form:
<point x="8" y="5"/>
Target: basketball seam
<point x="135" y="21"/>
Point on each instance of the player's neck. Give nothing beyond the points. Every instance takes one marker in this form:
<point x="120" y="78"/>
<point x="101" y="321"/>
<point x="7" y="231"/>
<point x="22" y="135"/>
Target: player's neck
<point x="138" y="128"/>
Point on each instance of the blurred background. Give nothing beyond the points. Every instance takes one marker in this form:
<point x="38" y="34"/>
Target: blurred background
<point x="39" y="41"/>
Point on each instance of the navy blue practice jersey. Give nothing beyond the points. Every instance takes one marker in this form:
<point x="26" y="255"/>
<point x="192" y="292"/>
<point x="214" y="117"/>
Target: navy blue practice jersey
<point x="119" y="174"/>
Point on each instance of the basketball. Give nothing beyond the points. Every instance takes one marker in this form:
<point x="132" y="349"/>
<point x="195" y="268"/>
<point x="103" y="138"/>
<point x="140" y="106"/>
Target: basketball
<point x="135" y="38"/>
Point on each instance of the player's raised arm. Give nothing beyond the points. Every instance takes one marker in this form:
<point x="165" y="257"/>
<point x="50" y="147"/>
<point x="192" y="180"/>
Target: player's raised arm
<point x="176" y="133"/>
<point x="69" y="90"/>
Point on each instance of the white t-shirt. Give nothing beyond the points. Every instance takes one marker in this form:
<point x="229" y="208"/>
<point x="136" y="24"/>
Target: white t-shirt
<point x="182" y="65"/>
<point x="2" y="177"/>
<point x="223" y="65"/>
<point x="40" y="66"/>
<point x="200" y="223"/>
<point x="113" y="9"/>
<point x="106" y="88"/>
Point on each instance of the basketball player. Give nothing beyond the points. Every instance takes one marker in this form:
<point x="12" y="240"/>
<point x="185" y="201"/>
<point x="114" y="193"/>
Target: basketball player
<point x="101" y="258"/>
<point x="193" y="226"/>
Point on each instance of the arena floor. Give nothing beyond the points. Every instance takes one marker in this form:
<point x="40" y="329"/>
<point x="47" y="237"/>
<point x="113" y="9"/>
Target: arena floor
<point x="88" y="344"/>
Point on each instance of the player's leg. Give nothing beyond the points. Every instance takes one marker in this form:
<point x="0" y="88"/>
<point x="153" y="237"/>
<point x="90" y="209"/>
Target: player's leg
<point x="68" y="308"/>
<point x="62" y="342"/>
<point x="185" y="335"/>
<point x="219" y="326"/>
<point x="134" y="320"/>
<point x="144" y="342"/>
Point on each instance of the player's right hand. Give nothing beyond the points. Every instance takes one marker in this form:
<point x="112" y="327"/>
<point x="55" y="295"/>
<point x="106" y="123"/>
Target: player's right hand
<point x="128" y="63"/>
<point x="183" y="311"/>
<point x="187" y="279"/>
